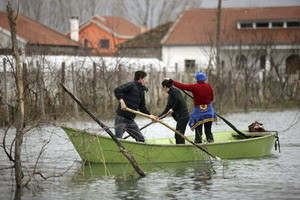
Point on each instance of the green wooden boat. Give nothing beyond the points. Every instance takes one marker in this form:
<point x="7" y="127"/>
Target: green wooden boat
<point x="97" y="148"/>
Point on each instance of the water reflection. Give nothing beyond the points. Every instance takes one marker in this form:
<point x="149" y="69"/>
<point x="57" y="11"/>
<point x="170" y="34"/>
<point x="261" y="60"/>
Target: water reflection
<point x="171" y="177"/>
<point x="273" y="177"/>
<point x="90" y="171"/>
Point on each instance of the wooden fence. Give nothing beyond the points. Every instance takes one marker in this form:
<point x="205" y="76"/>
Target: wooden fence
<point x="44" y="99"/>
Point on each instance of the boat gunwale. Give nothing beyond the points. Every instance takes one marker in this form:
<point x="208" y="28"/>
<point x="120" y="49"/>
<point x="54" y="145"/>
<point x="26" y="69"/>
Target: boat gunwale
<point x="254" y="134"/>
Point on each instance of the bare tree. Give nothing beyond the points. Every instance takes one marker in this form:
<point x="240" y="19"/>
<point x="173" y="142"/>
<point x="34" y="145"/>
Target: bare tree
<point x="56" y="13"/>
<point x="19" y="83"/>
<point x="153" y="12"/>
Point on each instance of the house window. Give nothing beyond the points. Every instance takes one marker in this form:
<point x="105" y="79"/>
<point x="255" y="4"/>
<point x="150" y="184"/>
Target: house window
<point x="104" y="44"/>
<point x="284" y="23"/>
<point x="262" y="60"/>
<point x="293" y="24"/>
<point x="262" y="25"/>
<point x="246" y="25"/>
<point x="277" y="24"/>
<point x="292" y="64"/>
<point x="189" y="65"/>
<point x="86" y="43"/>
<point x="241" y="62"/>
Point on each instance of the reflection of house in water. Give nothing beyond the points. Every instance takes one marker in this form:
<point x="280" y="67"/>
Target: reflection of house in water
<point x="250" y="37"/>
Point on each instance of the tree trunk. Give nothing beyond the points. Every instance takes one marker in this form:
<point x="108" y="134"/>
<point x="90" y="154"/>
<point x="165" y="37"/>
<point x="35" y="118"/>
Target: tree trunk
<point x="20" y="113"/>
<point x="5" y="91"/>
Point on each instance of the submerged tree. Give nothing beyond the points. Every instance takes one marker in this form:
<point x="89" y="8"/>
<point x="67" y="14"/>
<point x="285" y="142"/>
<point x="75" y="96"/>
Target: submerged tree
<point x="20" y="96"/>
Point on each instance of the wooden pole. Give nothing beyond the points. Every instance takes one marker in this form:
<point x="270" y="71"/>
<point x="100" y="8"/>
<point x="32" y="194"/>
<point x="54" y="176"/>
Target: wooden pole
<point x="74" y="91"/>
<point x="5" y="90"/>
<point x="126" y="153"/>
<point x="63" y="78"/>
<point x="40" y="89"/>
<point x="94" y="85"/>
<point x="161" y="117"/>
<point x="173" y="129"/>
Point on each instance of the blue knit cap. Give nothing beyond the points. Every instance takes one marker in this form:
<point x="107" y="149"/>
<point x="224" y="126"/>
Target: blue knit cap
<point x="200" y="76"/>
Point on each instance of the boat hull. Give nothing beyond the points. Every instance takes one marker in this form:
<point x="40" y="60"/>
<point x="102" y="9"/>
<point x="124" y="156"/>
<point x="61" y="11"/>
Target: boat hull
<point x="228" y="145"/>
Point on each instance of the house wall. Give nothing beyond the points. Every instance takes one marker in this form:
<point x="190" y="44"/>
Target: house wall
<point x="204" y="56"/>
<point x="275" y="56"/>
<point x="5" y="41"/>
<point x="94" y="34"/>
<point x="141" y="52"/>
<point x="176" y="55"/>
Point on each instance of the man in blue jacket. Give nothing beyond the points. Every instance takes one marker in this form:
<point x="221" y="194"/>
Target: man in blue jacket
<point x="131" y="95"/>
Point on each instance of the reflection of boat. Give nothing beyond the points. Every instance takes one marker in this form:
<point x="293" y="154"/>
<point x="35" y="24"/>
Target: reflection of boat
<point x="102" y="149"/>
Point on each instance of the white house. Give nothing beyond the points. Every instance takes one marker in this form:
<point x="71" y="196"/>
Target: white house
<point x="264" y="37"/>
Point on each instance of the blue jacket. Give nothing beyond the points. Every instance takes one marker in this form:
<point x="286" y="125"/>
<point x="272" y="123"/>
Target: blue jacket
<point x="133" y="94"/>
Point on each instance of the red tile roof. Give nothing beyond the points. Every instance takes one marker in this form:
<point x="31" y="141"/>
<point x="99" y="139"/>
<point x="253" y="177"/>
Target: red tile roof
<point x="118" y="26"/>
<point x="150" y="38"/>
<point x="197" y="26"/>
<point x="36" y="33"/>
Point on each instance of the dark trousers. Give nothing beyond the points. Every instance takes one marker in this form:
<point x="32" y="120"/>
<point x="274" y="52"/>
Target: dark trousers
<point x="123" y="124"/>
<point x="208" y="133"/>
<point x="181" y="126"/>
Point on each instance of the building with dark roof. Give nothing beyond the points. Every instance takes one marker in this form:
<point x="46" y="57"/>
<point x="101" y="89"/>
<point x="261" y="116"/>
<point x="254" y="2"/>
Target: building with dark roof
<point x="147" y="44"/>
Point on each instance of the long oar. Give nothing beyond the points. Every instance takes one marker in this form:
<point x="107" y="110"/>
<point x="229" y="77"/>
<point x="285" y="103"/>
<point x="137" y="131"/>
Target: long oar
<point x="227" y="122"/>
<point x="161" y="117"/>
<point x="176" y="131"/>
<point x="115" y="139"/>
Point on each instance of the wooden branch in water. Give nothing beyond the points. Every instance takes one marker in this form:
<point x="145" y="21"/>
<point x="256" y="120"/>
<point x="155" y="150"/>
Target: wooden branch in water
<point x="126" y="153"/>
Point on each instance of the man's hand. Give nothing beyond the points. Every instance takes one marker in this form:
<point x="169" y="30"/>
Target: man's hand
<point x="123" y="104"/>
<point x="154" y="118"/>
<point x="170" y="111"/>
<point x="166" y="79"/>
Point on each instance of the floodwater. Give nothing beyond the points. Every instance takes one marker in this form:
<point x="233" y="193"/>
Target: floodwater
<point x="273" y="177"/>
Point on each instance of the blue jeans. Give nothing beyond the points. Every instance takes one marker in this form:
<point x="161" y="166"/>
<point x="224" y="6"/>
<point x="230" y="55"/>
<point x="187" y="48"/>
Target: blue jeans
<point x="123" y="124"/>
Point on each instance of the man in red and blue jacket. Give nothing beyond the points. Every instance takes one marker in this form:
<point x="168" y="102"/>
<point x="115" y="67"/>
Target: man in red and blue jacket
<point x="203" y="110"/>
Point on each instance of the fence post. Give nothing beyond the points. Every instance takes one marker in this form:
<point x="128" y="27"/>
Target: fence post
<point x="151" y="85"/>
<point x="74" y="91"/>
<point x="94" y="84"/>
<point x="63" y="76"/>
<point x="40" y="89"/>
<point x="120" y="77"/>
<point x="176" y="71"/>
<point x="5" y="90"/>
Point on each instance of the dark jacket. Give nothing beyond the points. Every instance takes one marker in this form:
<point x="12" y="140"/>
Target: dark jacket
<point x="177" y="103"/>
<point x="133" y="94"/>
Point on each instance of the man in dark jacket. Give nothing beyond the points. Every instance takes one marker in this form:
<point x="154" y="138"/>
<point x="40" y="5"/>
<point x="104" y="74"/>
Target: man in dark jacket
<point x="177" y="107"/>
<point x="131" y="95"/>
